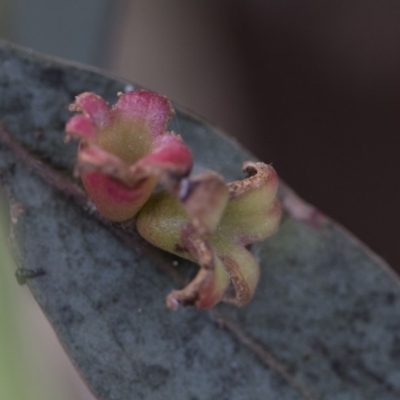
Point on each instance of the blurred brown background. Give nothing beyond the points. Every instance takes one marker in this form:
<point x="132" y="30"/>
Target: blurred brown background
<point x="313" y="87"/>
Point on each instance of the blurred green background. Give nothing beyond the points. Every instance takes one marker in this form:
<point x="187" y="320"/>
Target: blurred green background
<point x="313" y="87"/>
<point x="33" y="366"/>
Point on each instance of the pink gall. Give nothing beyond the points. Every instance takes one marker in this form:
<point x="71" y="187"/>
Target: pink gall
<point x="228" y="219"/>
<point x="124" y="151"/>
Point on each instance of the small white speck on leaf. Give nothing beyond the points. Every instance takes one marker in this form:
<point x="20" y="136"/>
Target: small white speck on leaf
<point x="129" y="88"/>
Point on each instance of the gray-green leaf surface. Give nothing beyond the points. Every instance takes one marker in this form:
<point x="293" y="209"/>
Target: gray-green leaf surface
<point x="325" y="320"/>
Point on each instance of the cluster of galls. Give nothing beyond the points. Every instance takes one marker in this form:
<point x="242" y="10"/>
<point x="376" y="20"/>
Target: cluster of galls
<point x="126" y="151"/>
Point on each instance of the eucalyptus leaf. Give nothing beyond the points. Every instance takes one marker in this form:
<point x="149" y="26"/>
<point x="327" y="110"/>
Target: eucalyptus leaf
<point x="325" y="320"/>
